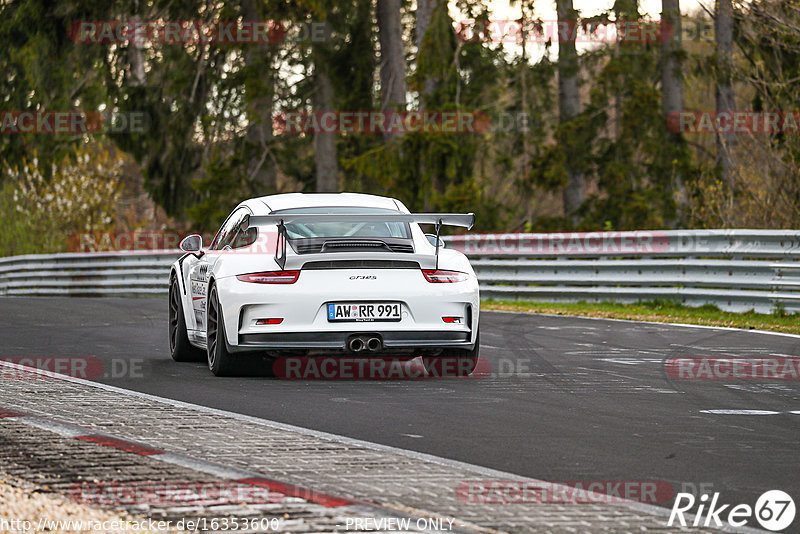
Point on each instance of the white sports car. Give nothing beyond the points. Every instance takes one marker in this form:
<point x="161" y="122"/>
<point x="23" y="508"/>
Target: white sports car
<point x="335" y="274"/>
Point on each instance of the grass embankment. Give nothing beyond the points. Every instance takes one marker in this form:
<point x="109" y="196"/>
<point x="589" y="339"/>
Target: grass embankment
<point x="657" y="311"/>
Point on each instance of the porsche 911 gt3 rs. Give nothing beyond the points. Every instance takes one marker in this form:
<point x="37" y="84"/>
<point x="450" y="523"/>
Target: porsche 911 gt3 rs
<point x="341" y="274"/>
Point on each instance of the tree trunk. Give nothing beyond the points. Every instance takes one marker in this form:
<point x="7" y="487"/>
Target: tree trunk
<point x="569" y="104"/>
<point x="423" y="21"/>
<point x="723" y="31"/>
<point x="671" y="69"/>
<point x="393" y="72"/>
<point x="524" y="98"/>
<point x="672" y="80"/>
<point x="259" y="91"/>
<point x="136" y="76"/>
<point x="327" y="167"/>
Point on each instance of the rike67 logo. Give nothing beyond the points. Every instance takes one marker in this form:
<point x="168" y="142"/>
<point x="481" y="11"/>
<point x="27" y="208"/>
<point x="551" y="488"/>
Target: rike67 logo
<point x="774" y="510"/>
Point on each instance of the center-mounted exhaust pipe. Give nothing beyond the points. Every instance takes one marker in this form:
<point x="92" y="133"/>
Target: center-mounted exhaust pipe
<point x="358" y="343"/>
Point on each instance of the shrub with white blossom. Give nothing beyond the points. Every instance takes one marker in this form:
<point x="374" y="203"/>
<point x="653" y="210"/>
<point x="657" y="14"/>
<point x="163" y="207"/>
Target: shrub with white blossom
<point x="79" y="196"/>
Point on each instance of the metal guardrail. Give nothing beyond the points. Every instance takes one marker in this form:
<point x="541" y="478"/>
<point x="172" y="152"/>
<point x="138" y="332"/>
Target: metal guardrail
<point x="736" y="270"/>
<point x="87" y="274"/>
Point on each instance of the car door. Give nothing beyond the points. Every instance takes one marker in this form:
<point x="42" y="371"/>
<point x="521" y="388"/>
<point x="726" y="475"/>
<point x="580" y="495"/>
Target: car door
<point x="199" y="273"/>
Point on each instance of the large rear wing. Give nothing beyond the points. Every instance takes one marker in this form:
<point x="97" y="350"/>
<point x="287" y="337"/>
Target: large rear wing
<point x="464" y="220"/>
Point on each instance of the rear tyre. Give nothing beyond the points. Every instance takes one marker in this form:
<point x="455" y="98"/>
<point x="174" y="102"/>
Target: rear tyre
<point x="220" y="360"/>
<point x="179" y="347"/>
<point x="454" y="362"/>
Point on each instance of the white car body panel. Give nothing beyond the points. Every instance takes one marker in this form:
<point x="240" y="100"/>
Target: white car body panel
<point x="302" y="304"/>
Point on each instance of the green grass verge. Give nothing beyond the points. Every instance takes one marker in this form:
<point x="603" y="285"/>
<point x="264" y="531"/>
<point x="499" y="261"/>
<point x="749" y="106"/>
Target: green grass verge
<point x="657" y="311"/>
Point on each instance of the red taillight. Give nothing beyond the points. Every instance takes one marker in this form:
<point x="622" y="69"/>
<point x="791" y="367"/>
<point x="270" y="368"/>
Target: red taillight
<point x="272" y="277"/>
<point x="437" y="276"/>
<point x="274" y="320"/>
<point x="452" y="319"/>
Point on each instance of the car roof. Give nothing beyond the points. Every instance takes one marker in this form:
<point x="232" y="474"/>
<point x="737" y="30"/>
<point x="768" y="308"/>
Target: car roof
<point x="269" y="204"/>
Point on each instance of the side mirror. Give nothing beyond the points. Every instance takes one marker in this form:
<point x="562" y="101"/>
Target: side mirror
<point x="193" y="244"/>
<point x="432" y="240"/>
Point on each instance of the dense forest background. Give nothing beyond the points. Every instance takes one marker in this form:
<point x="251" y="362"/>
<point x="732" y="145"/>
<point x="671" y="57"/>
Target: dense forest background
<point x="581" y="136"/>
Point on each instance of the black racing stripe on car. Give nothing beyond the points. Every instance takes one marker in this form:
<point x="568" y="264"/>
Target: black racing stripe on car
<point x="360" y="264"/>
<point x="180" y="277"/>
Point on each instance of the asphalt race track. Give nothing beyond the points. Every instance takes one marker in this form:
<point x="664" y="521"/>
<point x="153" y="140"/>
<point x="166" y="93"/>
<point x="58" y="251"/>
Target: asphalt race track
<point x="568" y="399"/>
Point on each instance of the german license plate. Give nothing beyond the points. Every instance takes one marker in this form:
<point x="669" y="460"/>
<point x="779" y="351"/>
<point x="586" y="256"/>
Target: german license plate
<point x="363" y="311"/>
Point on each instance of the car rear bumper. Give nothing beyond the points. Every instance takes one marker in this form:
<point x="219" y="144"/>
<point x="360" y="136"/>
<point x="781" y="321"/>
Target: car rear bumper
<point x="338" y="340"/>
<point x="304" y="324"/>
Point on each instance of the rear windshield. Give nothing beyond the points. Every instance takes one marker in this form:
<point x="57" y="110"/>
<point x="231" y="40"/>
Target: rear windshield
<point x="298" y="230"/>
